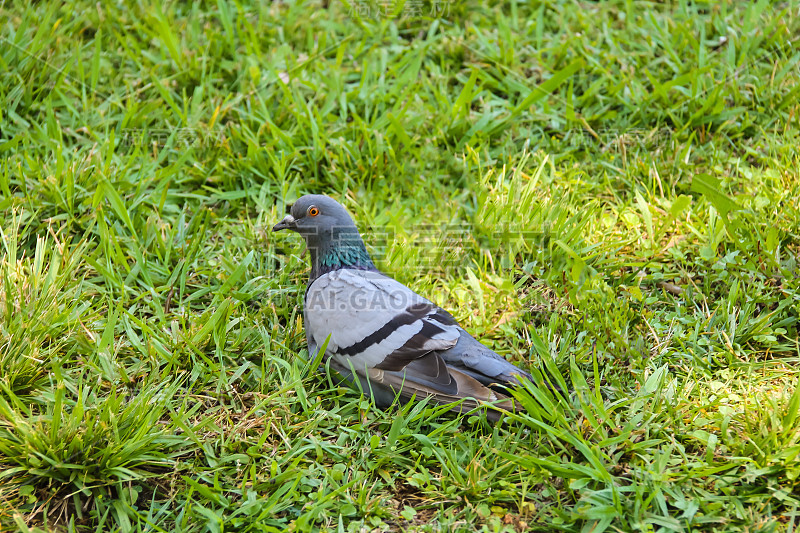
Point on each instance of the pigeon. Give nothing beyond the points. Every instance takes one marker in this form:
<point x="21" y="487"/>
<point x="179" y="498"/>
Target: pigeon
<point x="380" y="335"/>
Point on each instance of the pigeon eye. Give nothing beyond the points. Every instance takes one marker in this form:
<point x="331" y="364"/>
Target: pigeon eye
<point x="313" y="211"/>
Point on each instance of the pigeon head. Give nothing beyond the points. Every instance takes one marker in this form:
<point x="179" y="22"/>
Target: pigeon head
<point x="331" y="236"/>
<point x="316" y="214"/>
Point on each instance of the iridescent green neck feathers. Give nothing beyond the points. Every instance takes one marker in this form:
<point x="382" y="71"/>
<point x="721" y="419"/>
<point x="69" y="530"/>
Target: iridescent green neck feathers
<point x="344" y="250"/>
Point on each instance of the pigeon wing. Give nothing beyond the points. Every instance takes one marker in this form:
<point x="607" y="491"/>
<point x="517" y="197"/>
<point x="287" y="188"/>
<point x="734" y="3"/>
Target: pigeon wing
<point x="377" y="322"/>
<point x="394" y="341"/>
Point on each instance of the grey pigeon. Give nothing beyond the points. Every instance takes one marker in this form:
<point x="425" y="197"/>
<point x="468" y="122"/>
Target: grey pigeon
<point x="382" y="334"/>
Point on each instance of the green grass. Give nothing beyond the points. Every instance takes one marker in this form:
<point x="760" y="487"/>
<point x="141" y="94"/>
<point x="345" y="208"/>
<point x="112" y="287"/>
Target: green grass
<point x="604" y="192"/>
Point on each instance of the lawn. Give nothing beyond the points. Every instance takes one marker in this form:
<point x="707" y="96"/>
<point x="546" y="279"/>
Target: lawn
<point x="606" y="193"/>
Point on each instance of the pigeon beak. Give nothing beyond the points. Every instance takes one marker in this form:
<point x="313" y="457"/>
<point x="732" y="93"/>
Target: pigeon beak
<point x="287" y="223"/>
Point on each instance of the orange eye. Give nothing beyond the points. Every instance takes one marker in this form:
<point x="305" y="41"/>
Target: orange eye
<point x="313" y="211"/>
